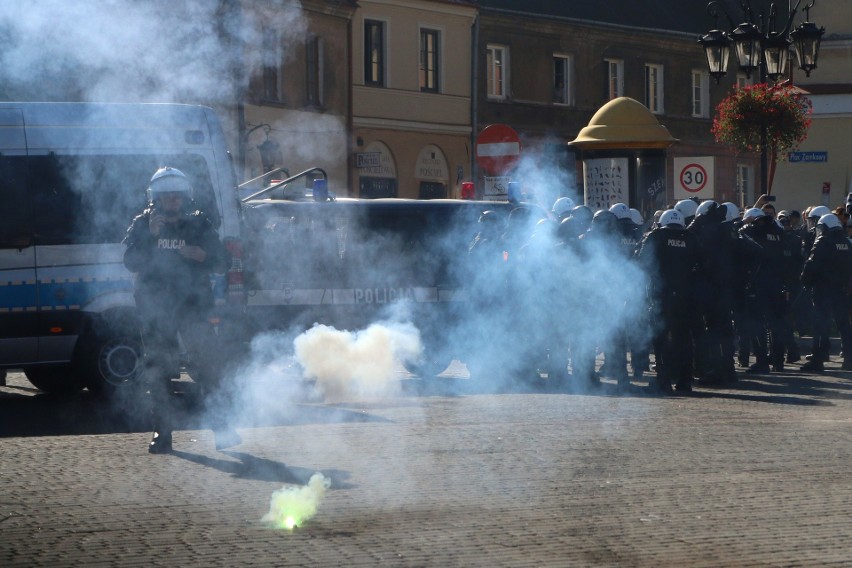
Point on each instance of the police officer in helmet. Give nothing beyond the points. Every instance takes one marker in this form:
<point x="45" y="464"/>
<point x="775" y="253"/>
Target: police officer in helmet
<point x="670" y="255"/>
<point x="172" y="249"/>
<point x="826" y="273"/>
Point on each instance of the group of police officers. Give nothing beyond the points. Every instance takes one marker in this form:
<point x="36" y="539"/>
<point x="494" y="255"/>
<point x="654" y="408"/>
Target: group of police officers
<point x="721" y="286"/>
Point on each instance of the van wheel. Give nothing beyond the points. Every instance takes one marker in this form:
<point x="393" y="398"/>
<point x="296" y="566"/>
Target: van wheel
<point x="110" y="357"/>
<point x="432" y="362"/>
<point x="55" y="380"/>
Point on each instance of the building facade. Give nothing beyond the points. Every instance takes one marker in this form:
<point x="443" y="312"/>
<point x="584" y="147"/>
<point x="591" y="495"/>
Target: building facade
<point x="293" y="108"/>
<point x="411" y="97"/>
<point x="545" y="68"/>
<point x="820" y="172"/>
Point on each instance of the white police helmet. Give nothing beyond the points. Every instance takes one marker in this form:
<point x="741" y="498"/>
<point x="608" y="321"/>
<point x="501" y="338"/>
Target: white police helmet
<point x="732" y="211"/>
<point x="753" y="213"/>
<point x="169" y="180"/>
<point x="686" y="207"/>
<point x="705" y="207"/>
<point x="620" y="210"/>
<point x="671" y="217"/>
<point x="830" y="221"/>
<point x="636" y="216"/>
<point x="818" y="211"/>
<point x="562" y="206"/>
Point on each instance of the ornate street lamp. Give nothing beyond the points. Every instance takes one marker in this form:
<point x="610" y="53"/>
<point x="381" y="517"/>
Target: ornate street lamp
<point x="759" y="46"/>
<point x="717" y="48"/>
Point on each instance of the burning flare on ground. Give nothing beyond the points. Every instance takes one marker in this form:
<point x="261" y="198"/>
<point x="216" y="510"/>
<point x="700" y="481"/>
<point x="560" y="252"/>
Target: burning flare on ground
<point x="290" y="507"/>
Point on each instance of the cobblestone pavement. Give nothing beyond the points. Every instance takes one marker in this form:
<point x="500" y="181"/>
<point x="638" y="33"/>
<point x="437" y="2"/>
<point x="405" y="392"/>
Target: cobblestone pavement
<point x="444" y="474"/>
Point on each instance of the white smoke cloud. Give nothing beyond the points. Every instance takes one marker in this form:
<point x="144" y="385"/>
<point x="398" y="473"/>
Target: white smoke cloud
<point x="124" y="50"/>
<point x="361" y="364"/>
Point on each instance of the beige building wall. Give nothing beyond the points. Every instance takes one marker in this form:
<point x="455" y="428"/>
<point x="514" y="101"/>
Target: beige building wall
<point x="416" y="138"/>
<point x="308" y="134"/>
<point x="803" y="183"/>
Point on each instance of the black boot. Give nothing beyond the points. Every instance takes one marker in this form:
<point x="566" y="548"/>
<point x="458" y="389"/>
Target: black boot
<point x="161" y="442"/>
<point x="814" y="366"/>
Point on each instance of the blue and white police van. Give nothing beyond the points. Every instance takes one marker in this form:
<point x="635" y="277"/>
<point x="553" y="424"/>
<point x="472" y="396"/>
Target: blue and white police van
<point x="72" y="176"/>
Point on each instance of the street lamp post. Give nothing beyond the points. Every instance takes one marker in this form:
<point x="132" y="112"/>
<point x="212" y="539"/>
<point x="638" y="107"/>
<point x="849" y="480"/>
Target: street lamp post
<point x="758" y="46"/>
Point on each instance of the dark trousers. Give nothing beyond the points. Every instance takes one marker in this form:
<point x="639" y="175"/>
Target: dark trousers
<point x="831" y="305"/>
<point x="766" y="329"/>
<point x="718" y="339"/>
<point x="673" y="344"/>
<point x="165" y="328"/>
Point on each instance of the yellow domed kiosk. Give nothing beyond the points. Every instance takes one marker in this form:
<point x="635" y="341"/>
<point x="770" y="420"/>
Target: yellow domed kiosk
<point x="623" y="150"/>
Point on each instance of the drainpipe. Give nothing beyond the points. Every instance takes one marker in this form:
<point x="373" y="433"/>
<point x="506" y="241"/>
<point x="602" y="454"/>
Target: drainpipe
<point x="474" y="102"/>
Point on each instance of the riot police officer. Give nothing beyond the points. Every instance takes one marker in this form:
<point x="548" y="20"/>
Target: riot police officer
<point x="633" y="338"/>
<point x="562" y="208"/>
<point x="601" y="236"/>
<point x="826" y="273"/>
<point x="765" y="292"/>
<point x="172" y="249"/>
<point x="670" y="255"/>
<point x="713" y="331"/>
<point x="793" y="264"/>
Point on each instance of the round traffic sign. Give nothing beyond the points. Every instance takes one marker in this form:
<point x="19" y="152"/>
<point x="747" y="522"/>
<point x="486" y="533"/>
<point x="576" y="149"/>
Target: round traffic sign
<point x="693" y="177"/>
<point x="498" y="148"/>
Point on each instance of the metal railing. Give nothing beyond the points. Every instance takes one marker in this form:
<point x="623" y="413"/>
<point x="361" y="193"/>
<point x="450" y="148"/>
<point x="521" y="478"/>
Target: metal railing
<point x="281" y="183"/>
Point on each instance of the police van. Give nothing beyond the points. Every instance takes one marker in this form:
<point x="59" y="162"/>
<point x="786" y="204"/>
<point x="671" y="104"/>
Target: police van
<point x="72" y="176"/>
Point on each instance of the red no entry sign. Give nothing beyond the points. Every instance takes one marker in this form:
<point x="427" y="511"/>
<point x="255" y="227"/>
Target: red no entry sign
<point x="498" y="148"/>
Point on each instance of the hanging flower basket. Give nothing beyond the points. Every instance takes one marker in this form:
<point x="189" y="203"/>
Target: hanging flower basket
<point x="771" y="117"/>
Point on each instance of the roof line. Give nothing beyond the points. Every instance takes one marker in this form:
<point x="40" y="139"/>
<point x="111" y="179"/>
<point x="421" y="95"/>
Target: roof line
<point x="591" y="22"/>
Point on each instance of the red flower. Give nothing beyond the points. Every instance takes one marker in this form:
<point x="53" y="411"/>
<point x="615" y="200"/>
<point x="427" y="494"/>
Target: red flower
<point x="779" y="113"/>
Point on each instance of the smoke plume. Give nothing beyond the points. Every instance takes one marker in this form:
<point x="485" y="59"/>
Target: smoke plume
<point x="357" y="364"/>
<point x="290" y="507"/>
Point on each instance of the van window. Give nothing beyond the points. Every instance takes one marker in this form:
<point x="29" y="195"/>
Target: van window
<point x="14" y="215"/>
<point x="87" y="199"/>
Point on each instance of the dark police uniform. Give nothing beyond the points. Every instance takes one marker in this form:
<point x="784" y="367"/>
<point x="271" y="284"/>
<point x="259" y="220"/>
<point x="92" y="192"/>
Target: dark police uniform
<point x="826" y="273"/>
<point x="765" y="295"/>
<point x="713" y="329"/>
<point x="670" y="254"/>
<point x="173" y="295"/>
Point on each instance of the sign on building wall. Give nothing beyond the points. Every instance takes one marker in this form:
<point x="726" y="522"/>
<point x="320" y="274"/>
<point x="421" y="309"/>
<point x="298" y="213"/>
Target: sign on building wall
<point x="695" y="177"/>
<point x="606" y="182"/>
<point x="377" y="161"/>
<point x="431" y="164"/>
<point x="496" y="187"/>
<point x="807" y="157"/>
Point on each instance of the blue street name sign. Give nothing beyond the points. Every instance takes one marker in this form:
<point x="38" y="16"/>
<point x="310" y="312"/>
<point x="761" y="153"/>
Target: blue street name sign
<point x="807" y="157"/>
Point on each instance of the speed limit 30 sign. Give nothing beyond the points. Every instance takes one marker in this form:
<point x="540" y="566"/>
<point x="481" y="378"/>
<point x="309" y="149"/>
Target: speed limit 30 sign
<point x="694" y="177"/>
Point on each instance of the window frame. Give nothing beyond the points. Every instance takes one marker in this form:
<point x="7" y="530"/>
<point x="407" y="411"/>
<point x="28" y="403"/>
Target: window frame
<point x="315" y="71"/>
<point x="744" y="183"/>
<point x="614" y="83"/>
<point x="436" y="54"/>
<point x="567" y="91"/>
<point x="375" y="70"/>
<point x="702" y="101"/>
<point x="655" y="87"/>
<point x="272" y="73"/>
<point x="491" y="79"/>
